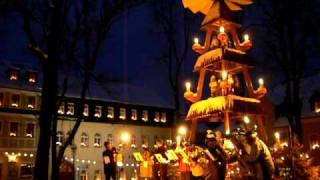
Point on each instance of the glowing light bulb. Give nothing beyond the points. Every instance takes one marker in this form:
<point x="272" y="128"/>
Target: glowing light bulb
<point x="221" y="29"/>
<point x="125" y="137"/>
<point x="246" y="37"/>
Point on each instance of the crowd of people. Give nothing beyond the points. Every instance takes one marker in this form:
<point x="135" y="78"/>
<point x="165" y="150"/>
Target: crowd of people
<point x="210" y="162"/>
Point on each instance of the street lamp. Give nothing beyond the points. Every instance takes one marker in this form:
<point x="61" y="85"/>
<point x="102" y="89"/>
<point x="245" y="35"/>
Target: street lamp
<point x="125" y="137"/>
<point x="182" y="130"/>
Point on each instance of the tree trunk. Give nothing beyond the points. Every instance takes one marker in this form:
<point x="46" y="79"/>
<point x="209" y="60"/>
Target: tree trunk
<point x="49" y="97"/>
<point x="48" y="108"/>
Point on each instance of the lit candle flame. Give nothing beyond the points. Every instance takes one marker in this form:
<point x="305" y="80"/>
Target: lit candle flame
<point x="196" y="40"/>
<point x="246" y="119"/>
<point x="277" y="135"/>
<point x="246" y="37"/>
<point x="261" y="82"/>
<point x="224" y="75"/>
<point x="221" y="29"/>
<point x="188" y="86"/>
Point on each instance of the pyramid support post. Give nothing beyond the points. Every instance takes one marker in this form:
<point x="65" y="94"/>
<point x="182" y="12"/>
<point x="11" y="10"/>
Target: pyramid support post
<point x="193" y="134"/>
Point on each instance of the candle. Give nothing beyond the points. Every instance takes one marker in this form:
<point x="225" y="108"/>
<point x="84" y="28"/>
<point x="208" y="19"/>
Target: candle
<point x="221" y="29"/>
<point x="261" y="83"/>
<point x="196" y="40"/>
<point x="246" y="37"/>
<point x="188" y="86"/>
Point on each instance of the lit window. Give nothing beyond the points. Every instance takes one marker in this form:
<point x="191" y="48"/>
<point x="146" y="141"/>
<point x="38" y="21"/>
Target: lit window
<point x="61" y="108"/>
<point x="70" y="109"/>
<point x="86" y="110"/>
<point x="1" y="99"/>
<point x="145" y="115"/>
<point x="133" y="114"/>
<point x="163" y="117"/>
<point x="110" y="112"/>
<point x="97" y="140"/>
<point x="317" y="106"/>
<point x="60" y="138"/>
<point x="14" y="127"/>
<point x="31" y="102"/>
<point x="98" y="112"/>
<point x="133" y="141"/>
<point x="30" y="130"/>
<point x="122" y="113"/>
<point x="110" y="138"/>
<point x="33" y="77"/>
<point x="15" y="100"/>
<point x="156" y="116"/>
<point x="14" y="75"/>
<point x="84" y="140"/>
<point x="83" y="175"/>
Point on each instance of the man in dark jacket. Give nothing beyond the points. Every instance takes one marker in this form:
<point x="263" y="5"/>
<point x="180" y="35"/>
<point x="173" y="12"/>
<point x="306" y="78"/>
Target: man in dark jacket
<point x="109" y="162"/>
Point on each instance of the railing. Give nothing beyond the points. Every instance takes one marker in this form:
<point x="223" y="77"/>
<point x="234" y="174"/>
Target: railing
<point x="17" y="142"/>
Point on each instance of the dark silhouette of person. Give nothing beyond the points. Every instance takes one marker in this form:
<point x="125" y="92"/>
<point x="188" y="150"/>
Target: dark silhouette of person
<point x="217" y="168"/>
<point x="109" y="162"/>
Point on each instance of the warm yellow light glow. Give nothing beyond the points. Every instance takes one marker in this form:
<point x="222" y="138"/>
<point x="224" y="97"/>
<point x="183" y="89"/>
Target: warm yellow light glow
<point x="188" y="86"/>
<point x="261" y="82"/>
<point x="182" y="130"/>
<point x="284" y="144"/>
<point x="12" y="158"/>
<point x="224" y="75"/>
<point x="125" y="137"/>
<point x="246" y="37"/>
<point x="227" y="131"/>
<point x="277" y="135"/>
<point x="228" y="144"/>
<point x="178" y="138"/>
<point x="246" y="119"/>
<point x="196" y="40"/>
<point x="221" y="29"/>
<point x="315" y="146"/>
<point x="216" y="103"/>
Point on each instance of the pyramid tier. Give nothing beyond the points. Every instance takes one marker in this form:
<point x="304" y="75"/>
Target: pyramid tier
<point x="212" y="108"/>
<point x="232" y="60"/>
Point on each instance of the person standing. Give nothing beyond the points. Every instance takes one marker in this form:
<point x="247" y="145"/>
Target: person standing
<point x="109" y="162"/>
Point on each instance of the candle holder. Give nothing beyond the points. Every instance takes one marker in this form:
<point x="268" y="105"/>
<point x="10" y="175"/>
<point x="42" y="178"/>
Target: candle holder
<point x="197" y="47"/>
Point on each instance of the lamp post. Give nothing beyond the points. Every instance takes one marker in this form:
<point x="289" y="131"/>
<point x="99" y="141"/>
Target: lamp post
<point x="124" y="140"/>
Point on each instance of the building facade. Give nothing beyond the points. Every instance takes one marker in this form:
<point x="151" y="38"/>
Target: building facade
<point x="104" y="120"/>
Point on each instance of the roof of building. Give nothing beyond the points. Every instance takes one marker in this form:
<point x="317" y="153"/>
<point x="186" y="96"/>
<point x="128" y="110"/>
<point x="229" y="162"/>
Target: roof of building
<point x="119" y="92"/>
